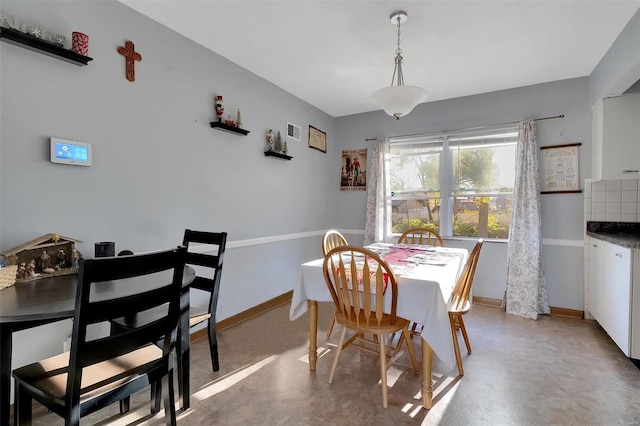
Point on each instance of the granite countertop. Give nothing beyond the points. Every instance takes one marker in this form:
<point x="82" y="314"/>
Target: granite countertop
<point x="625" y="234"/>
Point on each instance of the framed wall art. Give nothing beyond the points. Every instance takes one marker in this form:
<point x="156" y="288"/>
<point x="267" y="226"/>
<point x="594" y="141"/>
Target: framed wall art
<point x="353" y="170"/>
<point x="560" y="169"/>
<point x="317" y="139"/>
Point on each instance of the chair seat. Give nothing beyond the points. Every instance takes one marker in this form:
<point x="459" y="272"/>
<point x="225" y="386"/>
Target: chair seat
<point x="385" y="326"/>
<point x="50" y="375"/>
<point x="463" y="310"/>
<point x="197" y="319"/>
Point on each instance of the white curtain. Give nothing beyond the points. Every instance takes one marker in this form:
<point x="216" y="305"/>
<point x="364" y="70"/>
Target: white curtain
<point x="377" y="225"/>
<point x="526" y="293"/>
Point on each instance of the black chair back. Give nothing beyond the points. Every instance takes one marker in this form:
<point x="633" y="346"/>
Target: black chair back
<point x="158" y="281"/>
<point x="205" y="283"/>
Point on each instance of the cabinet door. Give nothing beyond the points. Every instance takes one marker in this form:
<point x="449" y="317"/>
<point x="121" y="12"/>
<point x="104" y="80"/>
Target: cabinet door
<point x="620" y="145"/>
<point x="595" y="281"/>
<point x="616" y="318"/>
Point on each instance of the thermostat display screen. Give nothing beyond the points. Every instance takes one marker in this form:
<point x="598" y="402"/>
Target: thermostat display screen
<point x="70" y="152"/>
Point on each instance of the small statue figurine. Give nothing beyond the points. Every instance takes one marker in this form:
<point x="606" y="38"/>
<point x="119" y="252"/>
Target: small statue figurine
<point x="44" y="261"/>
<point x="62" y="259"/>
<point x="31" y="269"/>
<point x="22" y="271"/>
<point x="271" y="138"/>
<point x="238" y="119"/>
<point x="75" y="259"/>
<point x="219" y="108"/>
<point x="278" y="143"/>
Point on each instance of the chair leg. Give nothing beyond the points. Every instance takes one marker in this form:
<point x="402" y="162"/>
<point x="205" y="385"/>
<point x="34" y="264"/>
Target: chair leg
<point x="21" y="407"/>
<point x="464" y="333"/>
<point x="331" y="324"/>
<point x="456" y="347"/>
<point x="156" y="396"/>
<point x="383" y="372"/>
<point x="213" y="344"/>
<point x="169" y="399"/>
<point x="125" y="404"/>
<point x="338" y="351"/>
<point x="406" y="335"/>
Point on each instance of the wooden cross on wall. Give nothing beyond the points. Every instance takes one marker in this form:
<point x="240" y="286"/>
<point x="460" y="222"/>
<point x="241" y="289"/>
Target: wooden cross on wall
<point x="130" y="54"/>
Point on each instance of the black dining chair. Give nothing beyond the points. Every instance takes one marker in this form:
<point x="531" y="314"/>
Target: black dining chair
<point x="210" y="255"/>
<point x="99" y="372"/>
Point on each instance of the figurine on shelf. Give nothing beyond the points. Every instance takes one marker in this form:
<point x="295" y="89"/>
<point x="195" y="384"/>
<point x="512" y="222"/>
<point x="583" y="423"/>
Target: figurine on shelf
<point x="239" y="119"/>
<point x="278" y="143"/>
<point x="270" y="140"/>
<point x="229" y="121"/>
<point x="286" y="150"/>
<point x="62" y="259"/>
<point x="219" y="107"/>
<point x="44" y="261"/>
<point x="75" y="259"/>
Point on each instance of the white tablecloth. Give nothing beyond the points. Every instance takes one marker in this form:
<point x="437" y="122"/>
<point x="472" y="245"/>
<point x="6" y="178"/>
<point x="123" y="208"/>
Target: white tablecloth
<point x="423" y="293"/>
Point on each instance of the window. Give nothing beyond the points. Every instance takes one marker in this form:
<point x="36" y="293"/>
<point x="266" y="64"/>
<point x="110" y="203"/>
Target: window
<point x="457" y="184"/>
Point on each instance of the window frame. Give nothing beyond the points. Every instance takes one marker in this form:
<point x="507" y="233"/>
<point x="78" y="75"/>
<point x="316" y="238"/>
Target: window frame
<point x="448" y="143"/>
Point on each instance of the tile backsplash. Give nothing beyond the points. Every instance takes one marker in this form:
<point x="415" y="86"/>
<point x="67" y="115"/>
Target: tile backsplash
<point x="612" y="200"/>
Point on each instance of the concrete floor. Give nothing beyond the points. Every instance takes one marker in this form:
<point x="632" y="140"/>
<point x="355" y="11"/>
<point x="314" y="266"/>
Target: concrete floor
<point x="554" y="371"/>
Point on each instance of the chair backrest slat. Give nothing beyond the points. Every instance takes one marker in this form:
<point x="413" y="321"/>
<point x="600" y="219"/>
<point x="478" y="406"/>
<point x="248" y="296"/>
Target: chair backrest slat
<point x="421" y="236"/>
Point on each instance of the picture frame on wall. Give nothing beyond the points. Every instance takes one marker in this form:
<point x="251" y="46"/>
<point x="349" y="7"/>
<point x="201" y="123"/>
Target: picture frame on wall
<point x="317" y="139"/>
<point x="560" y="168"/>
<point x="353" y="170"/>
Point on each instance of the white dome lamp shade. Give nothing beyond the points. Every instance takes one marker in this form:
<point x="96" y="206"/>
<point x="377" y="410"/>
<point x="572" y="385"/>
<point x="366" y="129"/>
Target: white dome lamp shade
<point x="398" y="100"/>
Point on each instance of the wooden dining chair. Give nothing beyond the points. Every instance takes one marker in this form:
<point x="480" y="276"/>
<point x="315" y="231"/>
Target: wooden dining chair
<point x="358" y="279"/>
<point x="421" y="236"/>
<point x="209" y="255"/>
<point x="459" y="304"/>
<point x="99" y="372"/>
<point x="331" y="240"/>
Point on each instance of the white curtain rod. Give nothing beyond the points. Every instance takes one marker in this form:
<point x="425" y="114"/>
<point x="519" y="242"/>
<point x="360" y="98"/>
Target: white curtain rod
<point x="467" y="128"/>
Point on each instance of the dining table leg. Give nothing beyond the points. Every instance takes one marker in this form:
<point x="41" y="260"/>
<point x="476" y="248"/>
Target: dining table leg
<point x="427" y="367"/>
<point x="313" y="334"/>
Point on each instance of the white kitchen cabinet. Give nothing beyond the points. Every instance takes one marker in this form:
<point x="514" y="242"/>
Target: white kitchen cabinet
<point x="616" y="138"/>
<point x="610" y="291"/>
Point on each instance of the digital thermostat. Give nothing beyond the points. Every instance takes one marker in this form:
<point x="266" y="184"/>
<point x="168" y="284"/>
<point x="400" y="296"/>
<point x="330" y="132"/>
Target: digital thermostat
<point x="66" y="151"/>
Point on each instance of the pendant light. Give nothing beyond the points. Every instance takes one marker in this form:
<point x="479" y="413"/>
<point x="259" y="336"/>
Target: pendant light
<point x="398" y="100"/>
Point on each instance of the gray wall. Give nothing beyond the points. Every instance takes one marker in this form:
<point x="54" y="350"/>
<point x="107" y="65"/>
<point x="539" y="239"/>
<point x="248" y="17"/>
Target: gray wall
<point x="562" y="227"/>
<point x="158" y="166"/>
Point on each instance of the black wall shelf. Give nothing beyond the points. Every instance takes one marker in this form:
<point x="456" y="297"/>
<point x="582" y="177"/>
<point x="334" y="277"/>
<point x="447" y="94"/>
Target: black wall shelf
<point x="227" y="128"/>
<point x="29" y="42"/>
<point x="277" y="154"/>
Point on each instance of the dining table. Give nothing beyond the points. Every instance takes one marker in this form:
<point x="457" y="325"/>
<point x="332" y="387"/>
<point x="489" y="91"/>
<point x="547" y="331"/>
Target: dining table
<point x="426" y="277"/>
<point x="28" y="304"/>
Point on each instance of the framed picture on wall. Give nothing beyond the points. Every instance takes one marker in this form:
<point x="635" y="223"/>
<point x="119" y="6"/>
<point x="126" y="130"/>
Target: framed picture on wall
<point x="353" y="170"/>
<point x="560" y="168"/>
<point x="317" y="139"/>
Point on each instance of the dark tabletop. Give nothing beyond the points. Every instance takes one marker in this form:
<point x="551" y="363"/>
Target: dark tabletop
<point x="54" y="298"/>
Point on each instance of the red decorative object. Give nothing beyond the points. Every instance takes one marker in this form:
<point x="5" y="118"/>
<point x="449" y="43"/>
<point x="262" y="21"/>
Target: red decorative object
<point x="80" y="43"/>
<point x="129" y="52"/>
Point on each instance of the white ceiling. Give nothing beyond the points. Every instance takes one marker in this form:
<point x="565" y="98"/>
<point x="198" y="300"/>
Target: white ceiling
<point x="333" y="54"/>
